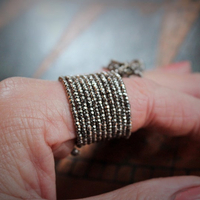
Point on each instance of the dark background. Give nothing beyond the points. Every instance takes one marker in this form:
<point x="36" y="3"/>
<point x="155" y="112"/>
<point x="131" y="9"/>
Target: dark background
<point x="46" y="39"/>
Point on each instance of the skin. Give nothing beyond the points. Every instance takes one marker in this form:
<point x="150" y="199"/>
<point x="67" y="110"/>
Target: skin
<point x="36" y="126"/>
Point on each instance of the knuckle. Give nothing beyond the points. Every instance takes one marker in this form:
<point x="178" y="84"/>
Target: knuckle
<point x="19" y="117"/>
<point x="10" y="104"/>
<point x="8" y="86"/>
<point x="8" y="83"/>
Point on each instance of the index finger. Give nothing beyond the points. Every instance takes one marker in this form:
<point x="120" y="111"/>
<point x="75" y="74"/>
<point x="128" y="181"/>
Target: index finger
<point x="46" y="104"/>
<point x="167" y="110"/>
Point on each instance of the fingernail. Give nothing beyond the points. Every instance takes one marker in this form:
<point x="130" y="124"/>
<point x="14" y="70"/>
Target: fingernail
<point x="179" y="67"/>
<point x="179" y="64"/>
<point x="189" y="194"/>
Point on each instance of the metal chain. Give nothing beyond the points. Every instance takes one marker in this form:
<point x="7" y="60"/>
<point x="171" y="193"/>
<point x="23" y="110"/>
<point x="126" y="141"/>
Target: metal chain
<point x="100" y="104"/>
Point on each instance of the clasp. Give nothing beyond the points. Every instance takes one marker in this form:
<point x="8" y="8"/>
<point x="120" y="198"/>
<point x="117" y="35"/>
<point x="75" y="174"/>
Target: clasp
<point x="126" y="69"/>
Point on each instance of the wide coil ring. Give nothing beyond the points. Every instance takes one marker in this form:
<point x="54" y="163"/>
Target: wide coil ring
<point x="99" y="105"/>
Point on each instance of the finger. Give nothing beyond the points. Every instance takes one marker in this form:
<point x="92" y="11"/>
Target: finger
<point x="158" y="107"/>
<point x="177" y="188"/>
<point x="178" y="68"/>
<point x="45" y="105"/>
<point x="188" y="83"/>
<point x="177" y="76"/>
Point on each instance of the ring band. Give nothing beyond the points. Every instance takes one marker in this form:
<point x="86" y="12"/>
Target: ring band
<point x="99" y="104"/>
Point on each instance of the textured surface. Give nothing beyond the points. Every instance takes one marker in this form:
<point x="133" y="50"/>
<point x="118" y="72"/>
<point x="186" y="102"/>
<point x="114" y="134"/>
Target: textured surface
<point x="46" y="39"/>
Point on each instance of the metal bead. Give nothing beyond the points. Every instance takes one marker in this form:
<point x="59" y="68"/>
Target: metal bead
<point x="75" y="152"/>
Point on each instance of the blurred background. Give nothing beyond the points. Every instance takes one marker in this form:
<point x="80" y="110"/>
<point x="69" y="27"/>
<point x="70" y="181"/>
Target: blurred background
<point x="45" y="39"/>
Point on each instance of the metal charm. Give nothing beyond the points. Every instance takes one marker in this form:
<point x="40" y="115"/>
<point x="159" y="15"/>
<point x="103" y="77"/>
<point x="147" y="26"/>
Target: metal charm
<point x="126" y="69"/>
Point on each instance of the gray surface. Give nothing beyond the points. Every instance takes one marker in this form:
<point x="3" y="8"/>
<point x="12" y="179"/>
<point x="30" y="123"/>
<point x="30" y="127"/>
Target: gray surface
<point x="121" y="34"/>
<point x="123" y="31"/>
<point x="26" y="41"/>
<point x="190" y="49"/>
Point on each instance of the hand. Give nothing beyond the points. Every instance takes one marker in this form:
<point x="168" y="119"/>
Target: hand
<point x="36" y="125"/>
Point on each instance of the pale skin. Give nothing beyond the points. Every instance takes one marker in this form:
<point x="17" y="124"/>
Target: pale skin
<point x="36" y="125"/>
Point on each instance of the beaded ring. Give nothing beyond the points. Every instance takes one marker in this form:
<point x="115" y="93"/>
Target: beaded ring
<point x="99" y="103"/>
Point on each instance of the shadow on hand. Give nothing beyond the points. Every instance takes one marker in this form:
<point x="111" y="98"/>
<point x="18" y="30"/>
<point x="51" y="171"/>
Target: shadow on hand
<point x="110" y="165"/>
